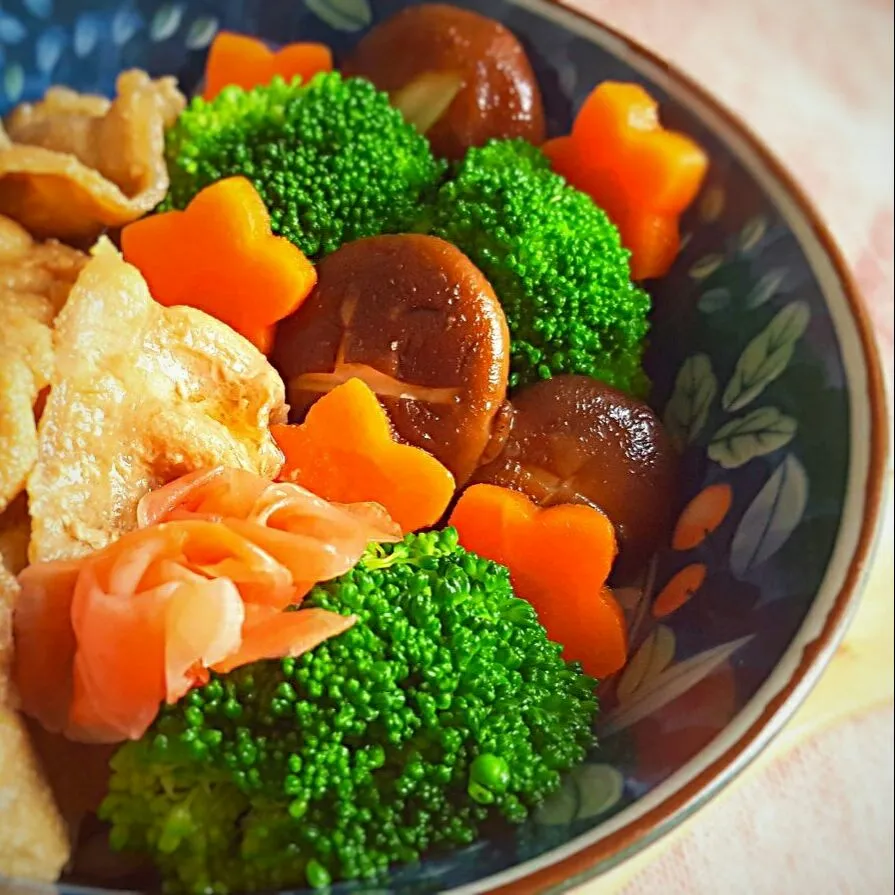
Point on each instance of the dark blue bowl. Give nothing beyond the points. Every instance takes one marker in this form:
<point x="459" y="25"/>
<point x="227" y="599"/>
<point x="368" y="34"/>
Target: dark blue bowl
<point x="764" y="370"/>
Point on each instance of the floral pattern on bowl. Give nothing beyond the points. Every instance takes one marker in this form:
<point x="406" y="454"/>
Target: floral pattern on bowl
<point x="757" y="364"/>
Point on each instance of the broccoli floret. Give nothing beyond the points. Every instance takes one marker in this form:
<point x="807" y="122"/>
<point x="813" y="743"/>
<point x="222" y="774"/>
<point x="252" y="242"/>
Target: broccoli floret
<point x="445" y="709"/>
<point x="555" y="261"/>
<point x="332" y="160"/>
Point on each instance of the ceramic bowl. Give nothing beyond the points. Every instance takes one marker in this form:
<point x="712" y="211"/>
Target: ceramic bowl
<point x="764" y="371"/>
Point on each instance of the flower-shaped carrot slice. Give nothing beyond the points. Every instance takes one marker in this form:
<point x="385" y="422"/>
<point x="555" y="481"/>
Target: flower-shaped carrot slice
<point x="219" y="255"/>
<point x="345" y="451"/>
<point x="243" y="61"/>
<point x="559" y="559"/>
<point x="642" y="175"/>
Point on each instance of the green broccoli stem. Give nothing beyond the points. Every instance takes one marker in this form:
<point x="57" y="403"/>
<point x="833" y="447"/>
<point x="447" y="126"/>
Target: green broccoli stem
<point x="443" y="710"/>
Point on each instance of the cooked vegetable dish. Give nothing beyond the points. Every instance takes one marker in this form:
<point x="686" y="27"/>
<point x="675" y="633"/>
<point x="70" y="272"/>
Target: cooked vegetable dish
<point x="324" y="445"/>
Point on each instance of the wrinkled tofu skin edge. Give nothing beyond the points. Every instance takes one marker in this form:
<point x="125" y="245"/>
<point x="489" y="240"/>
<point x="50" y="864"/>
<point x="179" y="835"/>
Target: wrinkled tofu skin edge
<point x="72" y="165"/>
<point x="35" y="279"/>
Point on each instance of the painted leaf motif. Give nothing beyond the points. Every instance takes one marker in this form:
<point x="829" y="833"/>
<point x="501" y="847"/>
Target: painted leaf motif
<point x="86" y="35"/>
<point x="670" y="684"/>
<point x="125" y="25"/>
<point x="712" y="204"/>
<point x="628" y="597"/>
<point x="165" y="22"/>
<point x="48" y="49"/>
<point x="705" y="266"/>
<point x="714" y="300"/>
<point x="201" y="32"/>
<point x="586" y="791"/>
<point x="12" y="31"/>
<point x="757" y="433"/>
<point x="766" y="288"/>
<point x="752" y="233"/>
<point x="568" y="77"/>
<point x="43" y="9"/>
<point x="653" y="656"/>
<point x="600" y="787"/>
<point x="560" y="807"/>
<point x="771" y="517"/>
<point x="694" y="390"/>
<point x="766" y="356"/>
<point x="343" y="15"/>
<point x="13" y="82"/>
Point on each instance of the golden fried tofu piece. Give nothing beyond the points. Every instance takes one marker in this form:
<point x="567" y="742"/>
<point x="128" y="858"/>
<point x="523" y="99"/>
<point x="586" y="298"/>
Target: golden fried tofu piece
<point x="9" y="591"/>
<point x="15" y="532"/>
<point x="35" y="279"/>
<point x="40" y="274"/>
<point x="18" y="431"/>
<point x="141" y="394"/>
<point x="34" y="841"/>
<point x="75" y="164"/>
<point x="37" y="786"/>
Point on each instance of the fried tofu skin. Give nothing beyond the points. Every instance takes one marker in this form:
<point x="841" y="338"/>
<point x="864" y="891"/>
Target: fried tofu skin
<point x="34" y="841"/>
<point x="35" y="279"/>
<point x="73" y="165"/>
<point x="140" y="395"/>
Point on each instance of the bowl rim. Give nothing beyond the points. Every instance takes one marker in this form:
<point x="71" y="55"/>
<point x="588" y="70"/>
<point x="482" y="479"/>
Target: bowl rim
<point x="574" y="864"/>
<point x="578" y="861"/>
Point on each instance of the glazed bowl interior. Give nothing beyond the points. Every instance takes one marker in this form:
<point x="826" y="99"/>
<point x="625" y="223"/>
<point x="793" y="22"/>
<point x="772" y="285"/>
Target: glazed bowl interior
<point x="762" y="368"/>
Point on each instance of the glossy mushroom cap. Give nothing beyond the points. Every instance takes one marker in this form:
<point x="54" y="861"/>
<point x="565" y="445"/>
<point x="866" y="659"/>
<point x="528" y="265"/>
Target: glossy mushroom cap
<point x="417" y="321"/>
<point x="497" y="95"/>
<point x="577" y="440"/>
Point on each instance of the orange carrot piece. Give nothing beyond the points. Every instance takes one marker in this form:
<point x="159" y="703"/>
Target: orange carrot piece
<point x="614" y="649"/>
<point x="658" y="240"/>
<point x="702" y="516"/>
<point x="562" y="152"/>
<point x="262" y="337"/>
<point x="219" y="255"/>
<point x="643" y="176"/>
<point x="619" y="125"/>
<point x="345" y="452"/>
<point x="559" y="558"/>
<point x="591" y="628"/>
<point x="243" y="61"/>
<point x="680" y="587"/>
<point x="609" y="597"/>
<point x="487" y="518"/>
